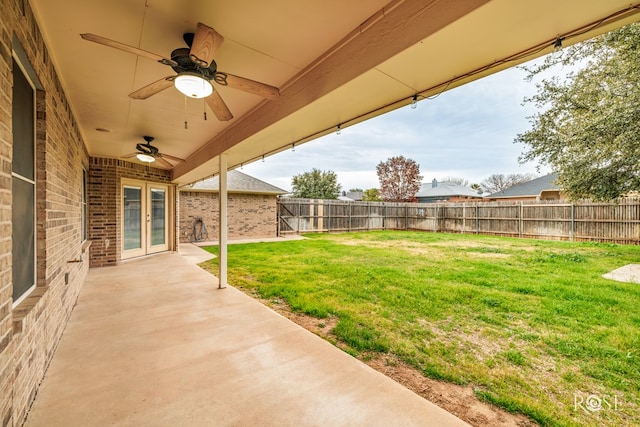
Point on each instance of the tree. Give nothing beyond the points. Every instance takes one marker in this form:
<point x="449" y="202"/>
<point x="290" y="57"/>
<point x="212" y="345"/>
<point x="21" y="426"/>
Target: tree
<point x="589" y="127"/>
<point x="477" y="187"/>
<point x="455" y="180"/>
<point x="316" y="184"/>
<point x="371" y="195"/>
<point x="500" y="182"/>
<point x="355" y="190"/>
<point x="399" y="178"/>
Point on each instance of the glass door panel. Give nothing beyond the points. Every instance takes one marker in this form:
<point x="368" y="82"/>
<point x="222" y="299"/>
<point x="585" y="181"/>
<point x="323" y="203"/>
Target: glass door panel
<point x="145" y="216"/>
<point x="158" y="219"/>
<point x="132" y="218"/>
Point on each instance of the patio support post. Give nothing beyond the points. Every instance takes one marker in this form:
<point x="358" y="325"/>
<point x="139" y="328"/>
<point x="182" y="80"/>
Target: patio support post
<point x="222" y="222"/>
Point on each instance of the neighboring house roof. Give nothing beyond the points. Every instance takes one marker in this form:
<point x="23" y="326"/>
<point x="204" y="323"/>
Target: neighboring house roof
<point x="437" y="189"/>
<point x="237" y="182"/>
<point x="531" y="188"/>
<point x="353" y="196"/>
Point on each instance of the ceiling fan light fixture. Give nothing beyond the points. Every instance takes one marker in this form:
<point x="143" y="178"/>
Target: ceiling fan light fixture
<point x="145" y="158"/>
<point x="193" y="85"/>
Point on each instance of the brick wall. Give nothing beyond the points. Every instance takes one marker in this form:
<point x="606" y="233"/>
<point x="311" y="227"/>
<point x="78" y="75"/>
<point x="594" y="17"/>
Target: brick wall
<point x="104" y="199"/>
<point x="30" y="331"/>
<point x="249" y="215"/>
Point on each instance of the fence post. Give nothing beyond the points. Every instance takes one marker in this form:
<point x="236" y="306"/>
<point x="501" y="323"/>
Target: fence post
<point x="477" y="219"/>
<point x="520" y="221"/>
<point x="278" y="206"/>
<point x="573" y="222"/>
<point x="435" y="222"/>
<point x="384" y="216"/>
<point x="350" y="203"/>
<point x="406" y="216"/>
<point x="329" y="217"/>
<point x="314" y="223"/>
<point x="464" y="217"/>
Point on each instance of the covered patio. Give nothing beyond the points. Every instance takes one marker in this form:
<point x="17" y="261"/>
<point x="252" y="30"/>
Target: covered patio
<point x="96" y="140"/>
<point x="151" y="343"/>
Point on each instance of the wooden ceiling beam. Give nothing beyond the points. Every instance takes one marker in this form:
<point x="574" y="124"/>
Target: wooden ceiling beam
<point x="398" y="26"/>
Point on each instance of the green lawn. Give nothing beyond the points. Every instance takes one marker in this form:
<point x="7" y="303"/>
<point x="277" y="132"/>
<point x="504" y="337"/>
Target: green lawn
<point x="529" y="324"/>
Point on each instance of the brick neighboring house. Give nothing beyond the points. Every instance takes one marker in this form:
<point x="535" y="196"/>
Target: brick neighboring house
<point x="435" y="192"/>
<point x="542" y="188"/>
<point x="252" y="208"/>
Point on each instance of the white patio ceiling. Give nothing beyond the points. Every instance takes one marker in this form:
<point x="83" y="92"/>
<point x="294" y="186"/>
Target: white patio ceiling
<point x="335" y="62"/>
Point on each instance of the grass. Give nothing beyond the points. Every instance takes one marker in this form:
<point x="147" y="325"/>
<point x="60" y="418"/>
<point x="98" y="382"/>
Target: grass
<point x="530" y="325"/>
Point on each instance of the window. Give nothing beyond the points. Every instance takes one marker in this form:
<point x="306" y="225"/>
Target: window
<point x="23" y="185"/>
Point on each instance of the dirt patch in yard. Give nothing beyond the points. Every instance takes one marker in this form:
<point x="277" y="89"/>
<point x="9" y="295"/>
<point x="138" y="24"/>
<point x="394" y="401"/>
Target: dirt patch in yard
<point x="413" y="248"/>
<point x="458" y="400"/>
<point x="432" y="251"/>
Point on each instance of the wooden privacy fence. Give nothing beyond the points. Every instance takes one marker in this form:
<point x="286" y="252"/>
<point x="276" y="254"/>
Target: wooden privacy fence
<point x="583" y="221"/>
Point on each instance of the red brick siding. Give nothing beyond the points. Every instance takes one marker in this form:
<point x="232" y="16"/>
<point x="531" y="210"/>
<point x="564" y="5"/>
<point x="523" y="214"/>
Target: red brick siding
<point x="249" y="215"/>
<point x="104" y="187"/>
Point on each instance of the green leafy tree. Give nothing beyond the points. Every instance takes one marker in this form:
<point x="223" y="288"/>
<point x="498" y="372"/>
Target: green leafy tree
<point x="477" y="187"/>
<point x="316" y="184"/>
<point x="371" y="195"/>
<point x="588" y="127"/>
<point x="399" y="178"/>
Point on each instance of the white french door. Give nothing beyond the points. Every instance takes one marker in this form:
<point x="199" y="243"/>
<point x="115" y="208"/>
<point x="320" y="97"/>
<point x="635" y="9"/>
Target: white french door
<point x="145" y="218"/>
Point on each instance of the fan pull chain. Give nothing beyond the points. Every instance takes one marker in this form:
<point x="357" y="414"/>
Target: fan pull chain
<point x="185" y="113"/>
<point x="204" y="109"/>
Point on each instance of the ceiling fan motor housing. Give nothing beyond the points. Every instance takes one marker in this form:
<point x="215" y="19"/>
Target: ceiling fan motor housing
<point x="185" y="64"/>
<point x="147" y="148"/>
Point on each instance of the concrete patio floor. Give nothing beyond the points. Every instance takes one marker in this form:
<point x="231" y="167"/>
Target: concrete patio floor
<point x="153" y="342"/>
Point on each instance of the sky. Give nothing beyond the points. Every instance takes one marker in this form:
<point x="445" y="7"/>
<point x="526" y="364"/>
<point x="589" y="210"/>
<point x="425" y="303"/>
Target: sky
<point x="467" y="132"/>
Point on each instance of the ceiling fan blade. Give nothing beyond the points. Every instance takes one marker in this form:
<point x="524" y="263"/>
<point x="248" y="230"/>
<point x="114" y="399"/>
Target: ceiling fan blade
<point x="127" y="156"/>
<point x="219" y="108"/>
<point x="175" y="159"/>
<point x="153" y="88"/>
<point x="164" y="163"/>
<point x="252" y="86"/>
<point x="206" y="43"/>
<point x="112" y="43"/>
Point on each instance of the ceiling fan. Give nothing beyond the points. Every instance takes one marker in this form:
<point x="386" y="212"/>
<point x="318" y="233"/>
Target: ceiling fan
<point x="195" y="68"/>
<point x="148" y="153"/>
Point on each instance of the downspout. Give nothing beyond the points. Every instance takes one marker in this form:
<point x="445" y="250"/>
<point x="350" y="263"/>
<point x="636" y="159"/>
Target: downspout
<point x="222" y="222"/>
